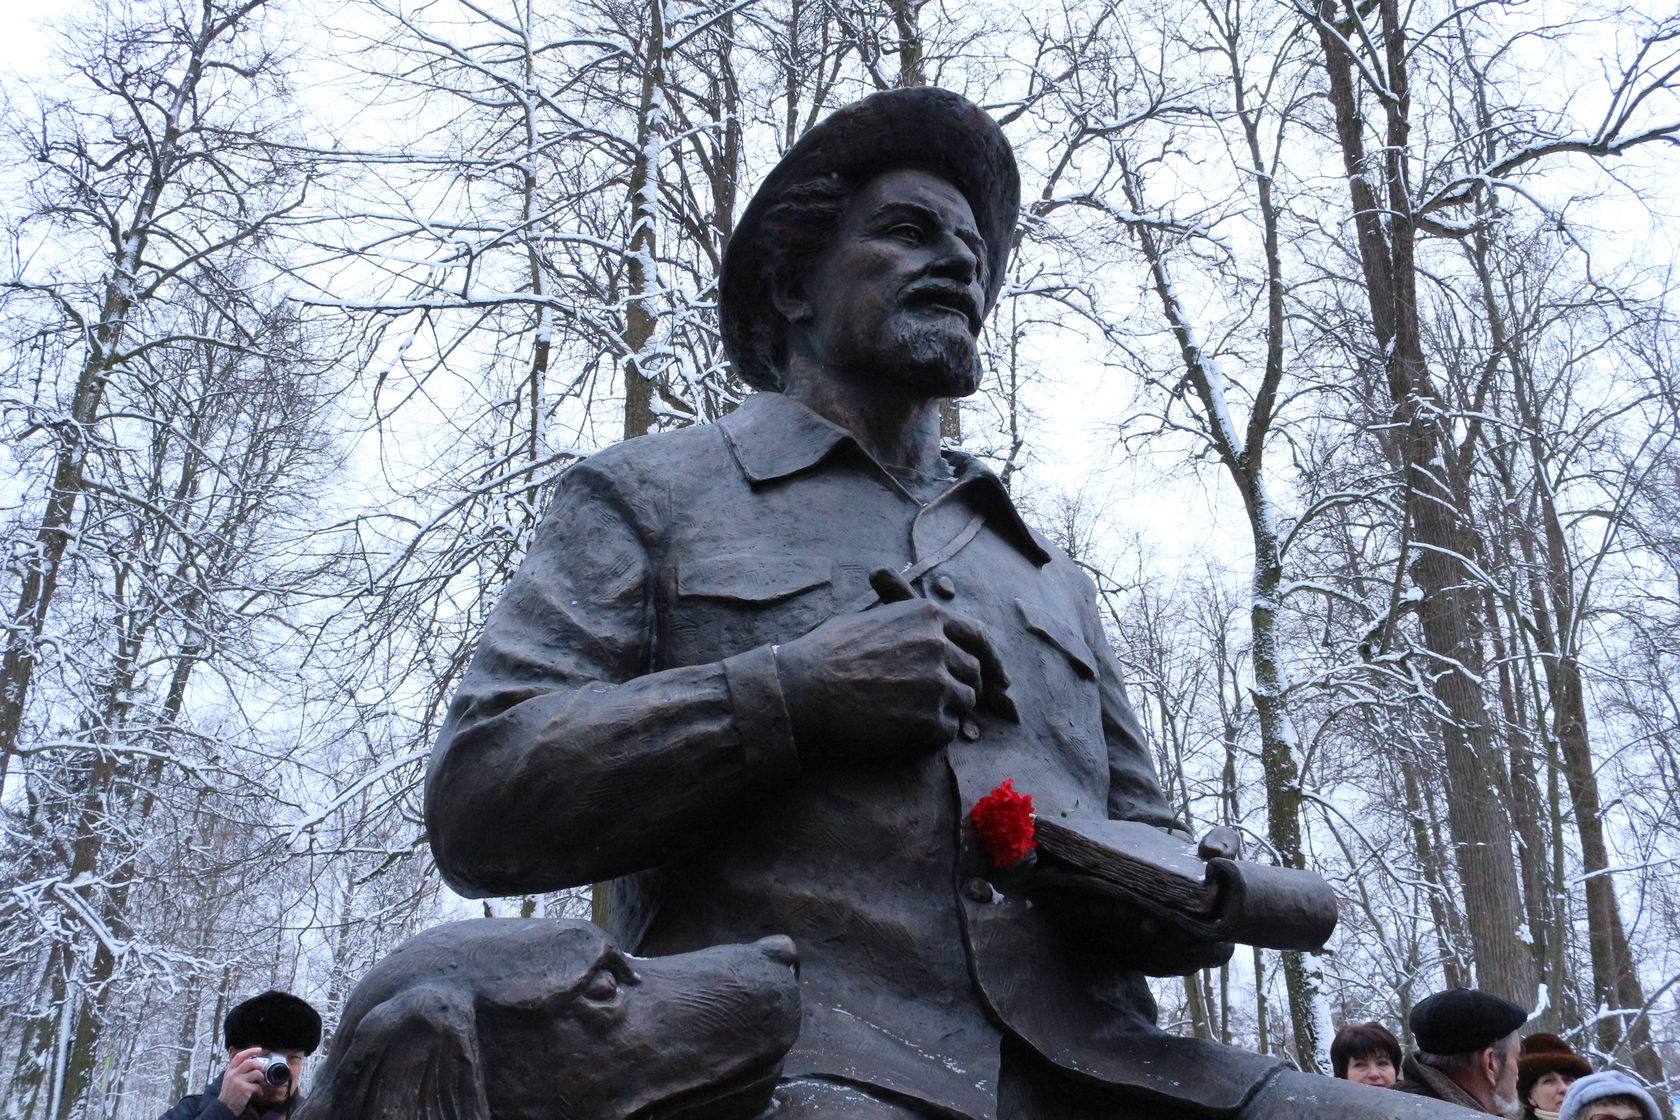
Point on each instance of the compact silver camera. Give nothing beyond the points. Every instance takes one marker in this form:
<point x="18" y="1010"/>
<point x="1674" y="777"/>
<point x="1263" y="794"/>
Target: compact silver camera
<point x="276" y="1069"/>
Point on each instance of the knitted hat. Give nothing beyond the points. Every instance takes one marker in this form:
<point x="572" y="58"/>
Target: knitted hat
<point x="1544" y="1053"/>
<point x="276" y="1020"/>
<point x="1463" y="1020"/>
<point x="921" y="127"/>
<point x="1610" y="1083"/>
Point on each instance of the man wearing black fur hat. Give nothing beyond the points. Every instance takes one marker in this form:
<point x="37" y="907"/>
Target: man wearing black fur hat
<point x="760" y="671"/>
<point x="271" y="1026"/>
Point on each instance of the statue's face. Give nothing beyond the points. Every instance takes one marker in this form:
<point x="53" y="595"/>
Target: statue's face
<point x="899" y="291"/>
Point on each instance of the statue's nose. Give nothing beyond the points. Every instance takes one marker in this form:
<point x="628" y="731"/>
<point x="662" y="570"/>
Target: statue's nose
<point x="957" y="259"/>
<point x="781" y="950"/>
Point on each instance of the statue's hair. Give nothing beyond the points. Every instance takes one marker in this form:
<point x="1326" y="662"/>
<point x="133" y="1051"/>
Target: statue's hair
<point x="798" y="226"/>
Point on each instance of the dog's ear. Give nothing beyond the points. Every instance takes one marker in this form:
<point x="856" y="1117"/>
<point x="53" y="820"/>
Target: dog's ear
<point x="413" y="1057"/>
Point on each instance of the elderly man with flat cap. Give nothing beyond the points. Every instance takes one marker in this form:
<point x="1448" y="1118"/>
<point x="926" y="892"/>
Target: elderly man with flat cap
<point x="1466" y="1050"/>
<point x="759" y="672"/>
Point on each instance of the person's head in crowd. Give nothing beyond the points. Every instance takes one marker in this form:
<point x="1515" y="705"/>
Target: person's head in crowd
<point x="1366" y="1053"/>
<point x="271" y="1023"/>
<point x="1470" y="1038"/>
<point x="1611" y="1095"/>
<point x="1546" y="1067"/>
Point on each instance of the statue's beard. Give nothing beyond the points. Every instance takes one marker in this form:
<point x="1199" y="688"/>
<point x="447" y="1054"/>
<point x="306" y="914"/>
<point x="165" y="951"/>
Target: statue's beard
<point x="938" y="359"/>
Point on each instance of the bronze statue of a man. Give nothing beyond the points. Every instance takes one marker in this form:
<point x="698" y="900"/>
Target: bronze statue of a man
<point x="759" y="671"/>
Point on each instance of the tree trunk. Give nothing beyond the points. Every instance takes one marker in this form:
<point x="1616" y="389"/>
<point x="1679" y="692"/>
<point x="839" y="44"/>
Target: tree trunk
<point x="131" y="234"/>
<point x="1528" y="819"/>
<point x="1425" y="850"/>
<point x="1555" y="606"/>
<point x="1437" y="511"/>
<point x="642" y="268"/>
<point x="1616" y="983"/>
<point x="1242" y="453"/>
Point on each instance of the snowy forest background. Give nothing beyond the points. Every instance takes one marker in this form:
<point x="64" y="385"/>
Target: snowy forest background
<point x="1340" y="345"/>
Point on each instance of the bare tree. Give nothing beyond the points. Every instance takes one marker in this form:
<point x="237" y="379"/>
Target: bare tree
<point x="1370" y="58"/>
<point x="162" y="168"/>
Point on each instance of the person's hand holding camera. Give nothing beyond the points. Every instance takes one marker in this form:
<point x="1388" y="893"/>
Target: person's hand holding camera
<point x="244" y="1077"/>
<point x="258" y="1076"/>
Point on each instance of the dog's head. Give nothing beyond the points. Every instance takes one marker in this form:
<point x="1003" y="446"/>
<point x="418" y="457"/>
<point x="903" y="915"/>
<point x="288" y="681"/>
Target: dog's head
<point x="543" y="1019"/>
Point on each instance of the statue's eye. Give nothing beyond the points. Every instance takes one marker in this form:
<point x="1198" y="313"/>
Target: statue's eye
<point x="909" y="233"/>
<point x="602" y="987"/>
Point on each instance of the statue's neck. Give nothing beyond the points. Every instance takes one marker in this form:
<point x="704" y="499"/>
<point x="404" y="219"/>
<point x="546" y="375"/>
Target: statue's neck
<point x="899" y="429"/>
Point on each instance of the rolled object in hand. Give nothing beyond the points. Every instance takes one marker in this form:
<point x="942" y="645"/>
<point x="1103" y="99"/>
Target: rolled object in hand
<point x="1213" y="900"/>
<point x="1272" y="907"/>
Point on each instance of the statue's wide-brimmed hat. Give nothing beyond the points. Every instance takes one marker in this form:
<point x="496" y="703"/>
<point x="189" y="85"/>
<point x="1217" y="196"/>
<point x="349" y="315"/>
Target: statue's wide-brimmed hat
<point x="926" y="128"/>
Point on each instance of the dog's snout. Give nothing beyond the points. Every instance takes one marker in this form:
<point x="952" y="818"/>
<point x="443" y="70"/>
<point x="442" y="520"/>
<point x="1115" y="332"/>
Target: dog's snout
<point x="781" y="950"/>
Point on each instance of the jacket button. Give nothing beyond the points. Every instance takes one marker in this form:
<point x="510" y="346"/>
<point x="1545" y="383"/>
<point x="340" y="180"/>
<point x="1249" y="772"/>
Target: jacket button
<point x="978" y="890"/>
<point x="945" y="587"/>
<point x="969" y="729"/>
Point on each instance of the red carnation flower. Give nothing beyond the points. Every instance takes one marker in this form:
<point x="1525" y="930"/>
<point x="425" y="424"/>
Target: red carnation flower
<point x="1004" y="821"/>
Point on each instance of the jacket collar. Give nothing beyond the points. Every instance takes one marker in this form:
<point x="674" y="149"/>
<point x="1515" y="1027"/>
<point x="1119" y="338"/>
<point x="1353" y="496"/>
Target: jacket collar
<point x="1443" y="1087"/>
<point x="986" y="491"/>
<point x="773" y="436"/>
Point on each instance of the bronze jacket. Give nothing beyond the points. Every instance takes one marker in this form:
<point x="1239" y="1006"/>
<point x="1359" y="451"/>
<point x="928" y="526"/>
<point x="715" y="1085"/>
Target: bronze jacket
<point x="622" y="715"/>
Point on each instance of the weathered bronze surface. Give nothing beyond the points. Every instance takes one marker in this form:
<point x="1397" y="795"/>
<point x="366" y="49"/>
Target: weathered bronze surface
<point x="538" y="1018"/>
<point x="758" y="672"/>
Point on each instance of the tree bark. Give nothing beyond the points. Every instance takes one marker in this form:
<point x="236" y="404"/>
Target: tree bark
<point x="642" y="269"/>
<point x="1436" y="507"/>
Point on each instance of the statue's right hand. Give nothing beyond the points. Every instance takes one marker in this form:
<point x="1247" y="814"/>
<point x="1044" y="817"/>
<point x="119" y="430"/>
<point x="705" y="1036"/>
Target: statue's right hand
<point x="897" y="678"/>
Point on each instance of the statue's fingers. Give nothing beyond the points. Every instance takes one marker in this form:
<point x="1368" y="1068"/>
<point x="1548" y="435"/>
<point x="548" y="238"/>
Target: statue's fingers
<point x="964" y="666"/>
<point x="959" y="701"/>
<point x="972" y="637"/>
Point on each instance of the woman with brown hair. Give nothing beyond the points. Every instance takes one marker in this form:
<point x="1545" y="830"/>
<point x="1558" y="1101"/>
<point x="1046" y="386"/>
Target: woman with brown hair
<point x="1367" y="1054"/>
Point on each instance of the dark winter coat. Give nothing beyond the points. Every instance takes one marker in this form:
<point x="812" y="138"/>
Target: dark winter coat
<point x="1426" y="1081"/>
<point x="208" y="1106"/>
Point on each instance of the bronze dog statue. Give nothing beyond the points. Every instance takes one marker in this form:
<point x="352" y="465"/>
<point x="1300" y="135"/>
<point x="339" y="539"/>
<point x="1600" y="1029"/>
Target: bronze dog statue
<point x="546" y="1019"/>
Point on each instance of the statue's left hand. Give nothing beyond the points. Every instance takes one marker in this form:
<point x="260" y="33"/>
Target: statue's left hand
<point x="1221" y="842"/>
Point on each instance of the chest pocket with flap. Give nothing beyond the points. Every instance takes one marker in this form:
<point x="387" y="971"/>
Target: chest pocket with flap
<point x="1061" y="635"/>
<point x="725" y="605"/>
<point x="751" y="578"/>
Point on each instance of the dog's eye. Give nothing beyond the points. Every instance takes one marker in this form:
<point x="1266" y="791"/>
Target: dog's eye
<point x="602" y="987"/>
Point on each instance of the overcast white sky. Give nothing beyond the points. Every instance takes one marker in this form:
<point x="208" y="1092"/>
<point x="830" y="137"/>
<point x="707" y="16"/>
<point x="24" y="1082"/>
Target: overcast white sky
<point x="1071" y="452"/>
<point x="22" y="41"/>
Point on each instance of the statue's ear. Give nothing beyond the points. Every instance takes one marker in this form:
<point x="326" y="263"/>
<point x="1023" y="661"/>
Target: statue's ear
<point x="413" y="1057"/>
<point x="789" y="298"/>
